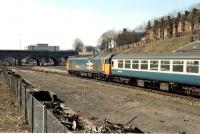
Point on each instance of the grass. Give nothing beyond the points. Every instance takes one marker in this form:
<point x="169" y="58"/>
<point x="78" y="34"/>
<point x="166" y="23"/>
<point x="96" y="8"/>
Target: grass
<point x="167" y="45"/>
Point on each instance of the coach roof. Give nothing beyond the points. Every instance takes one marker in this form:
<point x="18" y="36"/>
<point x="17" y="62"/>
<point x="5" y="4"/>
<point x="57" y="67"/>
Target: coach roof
<point x="176" y="55"/>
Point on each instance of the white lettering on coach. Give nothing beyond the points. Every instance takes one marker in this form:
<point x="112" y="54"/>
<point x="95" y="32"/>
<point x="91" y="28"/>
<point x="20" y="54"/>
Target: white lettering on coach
<point x="119" y="71"/>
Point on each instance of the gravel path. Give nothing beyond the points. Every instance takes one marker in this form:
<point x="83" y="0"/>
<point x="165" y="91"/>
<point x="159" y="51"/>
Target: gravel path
<point x="97" y="101"/>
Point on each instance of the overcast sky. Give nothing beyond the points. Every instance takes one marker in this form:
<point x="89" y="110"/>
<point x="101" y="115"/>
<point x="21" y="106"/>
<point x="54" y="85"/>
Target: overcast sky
<point x="59" y="22"/>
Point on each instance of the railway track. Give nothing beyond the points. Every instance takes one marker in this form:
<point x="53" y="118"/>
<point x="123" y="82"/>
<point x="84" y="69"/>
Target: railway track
<point x="191" y="100"/>
<point x="154" y="92"/>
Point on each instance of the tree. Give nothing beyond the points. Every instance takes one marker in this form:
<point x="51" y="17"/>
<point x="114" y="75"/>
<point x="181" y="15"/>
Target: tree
<point x="78" y="45"/>
<point x="89" y="48"/>
<point x="141" y="28"/>
<point x="107" y="40"/>
<point x="170" y="26"/>
<point x="193" y="18"/>
<point x="128" y="37"/>
<point x="148" y="27"/>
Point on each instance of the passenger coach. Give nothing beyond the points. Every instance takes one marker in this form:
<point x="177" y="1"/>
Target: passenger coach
<point x="181" y="68"/>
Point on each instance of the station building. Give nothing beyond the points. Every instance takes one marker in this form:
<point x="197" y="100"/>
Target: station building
<point x="43" y="47"/>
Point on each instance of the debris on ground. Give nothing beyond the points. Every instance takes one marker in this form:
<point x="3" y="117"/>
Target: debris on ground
<point x="109" y="127"/>
<point x="70" y="120"/>
<point x="75" y="124"/>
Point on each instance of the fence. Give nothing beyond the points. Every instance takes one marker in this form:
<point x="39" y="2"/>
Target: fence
<point x="35" y="113"/>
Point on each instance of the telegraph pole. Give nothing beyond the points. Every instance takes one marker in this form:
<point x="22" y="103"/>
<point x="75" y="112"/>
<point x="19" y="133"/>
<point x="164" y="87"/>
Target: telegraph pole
<point x="20" y="42"/>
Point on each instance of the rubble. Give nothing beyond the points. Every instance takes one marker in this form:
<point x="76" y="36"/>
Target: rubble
<point x="109" y="127"/>
<point x="58" y="109"/>
<point x="74" y="123"/>
<point x="70" y="120"/>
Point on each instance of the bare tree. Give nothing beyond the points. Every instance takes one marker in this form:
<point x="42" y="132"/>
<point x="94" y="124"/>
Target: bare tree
<point x="128" y="37"/>
<point x="141" y="28"/>
<point x="148" y="25"/>
<point x="78" y="45"/>
<point x="89" y="48"/>
<point x="107" y="40"/>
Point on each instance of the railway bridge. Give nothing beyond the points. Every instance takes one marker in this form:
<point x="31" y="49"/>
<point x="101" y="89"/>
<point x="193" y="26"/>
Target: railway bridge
<point x="20" y="55"/>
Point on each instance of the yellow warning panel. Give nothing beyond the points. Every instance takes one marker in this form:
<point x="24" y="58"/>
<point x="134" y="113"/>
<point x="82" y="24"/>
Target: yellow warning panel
<point x="106" y="69"/>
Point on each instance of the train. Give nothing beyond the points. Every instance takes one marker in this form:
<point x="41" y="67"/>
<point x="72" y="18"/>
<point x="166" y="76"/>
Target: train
<point x="173" y="72"/>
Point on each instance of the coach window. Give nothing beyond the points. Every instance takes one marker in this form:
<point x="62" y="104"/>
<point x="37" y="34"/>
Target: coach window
<point x="193" y="66"/>
<point x="178" y="66"/>
<point x="144" y="64"/>
<point x="154" y="65"/>
<point x="120" y="64"/>
<point x="165" y="66"/>
<point x="127" y="64"/>
<point x="107" y="61"/>
<point x="135" y="64"/>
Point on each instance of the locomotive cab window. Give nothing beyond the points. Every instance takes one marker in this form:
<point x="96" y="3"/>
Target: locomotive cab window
<point x="107" y="61"/>
<point x="127" y="64"/>
<point x="144" y="64"/>
<point x="135" y="64"/>
<point x="120" y="64"/>
<point x="165" y="66"/>
<point x="154" y="65"/>
<point x="178" y="66"/>
<point x="193" y="66"/>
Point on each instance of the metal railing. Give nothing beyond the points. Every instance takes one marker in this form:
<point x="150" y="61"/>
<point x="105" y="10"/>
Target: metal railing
<point x="35" y="113"/>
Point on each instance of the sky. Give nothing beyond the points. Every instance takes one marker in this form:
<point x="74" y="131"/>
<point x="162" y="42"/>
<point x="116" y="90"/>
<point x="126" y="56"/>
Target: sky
<point x="60" y="22"/>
